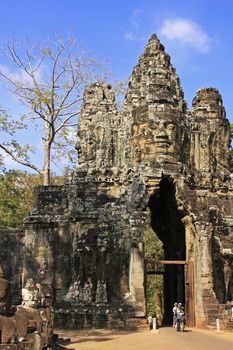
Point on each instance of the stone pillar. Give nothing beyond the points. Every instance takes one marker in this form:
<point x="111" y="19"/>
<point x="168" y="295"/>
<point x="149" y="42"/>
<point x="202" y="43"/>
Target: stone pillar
<point x="203" y="275"/>
<point x="136" y="279"/>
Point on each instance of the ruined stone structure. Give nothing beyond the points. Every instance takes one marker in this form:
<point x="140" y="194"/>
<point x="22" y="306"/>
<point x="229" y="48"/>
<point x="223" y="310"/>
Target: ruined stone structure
<point x="154" y="157"/>
<point x="29" y="325"/>
<point x="11" y="260"/>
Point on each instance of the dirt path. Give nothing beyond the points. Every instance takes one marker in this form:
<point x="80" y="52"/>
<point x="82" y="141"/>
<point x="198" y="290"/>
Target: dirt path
<point x="166" y="339"/>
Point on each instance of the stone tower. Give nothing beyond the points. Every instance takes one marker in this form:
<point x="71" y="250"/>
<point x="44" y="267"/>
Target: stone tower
<point x="152" y="158"/>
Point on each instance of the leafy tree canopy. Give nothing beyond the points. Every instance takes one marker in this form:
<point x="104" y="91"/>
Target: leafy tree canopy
<point x="17" y="196"/>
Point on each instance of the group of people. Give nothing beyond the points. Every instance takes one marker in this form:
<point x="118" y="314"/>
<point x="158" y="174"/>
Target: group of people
<point x="178" y="310"/>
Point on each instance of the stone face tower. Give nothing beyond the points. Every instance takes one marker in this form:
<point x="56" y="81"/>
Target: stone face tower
<point x="153" y="157"/>
<point x="210" y="142"/>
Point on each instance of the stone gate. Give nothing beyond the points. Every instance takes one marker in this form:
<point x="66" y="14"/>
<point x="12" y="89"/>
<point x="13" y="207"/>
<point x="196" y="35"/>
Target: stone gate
<point x="153" y="157"/>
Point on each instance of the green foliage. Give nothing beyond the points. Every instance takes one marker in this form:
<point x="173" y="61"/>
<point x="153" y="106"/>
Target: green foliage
<point x="153" y="246"/>
<point x="154" y="283"/>
<point x="17" y="196"/>
<point x="231" y="129"/>
<point x="8" y="125"/>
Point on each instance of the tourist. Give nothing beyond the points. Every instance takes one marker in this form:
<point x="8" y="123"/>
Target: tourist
<point x="174" y="310"/>
<point x="180" y="318"/>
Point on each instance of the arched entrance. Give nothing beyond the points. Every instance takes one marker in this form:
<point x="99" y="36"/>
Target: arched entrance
<point x="167" y="224"/>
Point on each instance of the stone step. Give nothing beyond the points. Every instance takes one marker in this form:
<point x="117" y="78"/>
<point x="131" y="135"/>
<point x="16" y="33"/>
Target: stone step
<point x="211" y="305"/>
<point x="213" y="316"/>
<point x="217" y="311"/>
<point x="229" y="327"/>
<point x="213" y="319"/>
<point x="229" y="322"/>
<point x="227" y="318"/>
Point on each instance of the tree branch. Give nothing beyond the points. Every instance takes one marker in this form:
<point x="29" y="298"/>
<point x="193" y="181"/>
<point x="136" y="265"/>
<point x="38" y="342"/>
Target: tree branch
<point x="18" y="160"/>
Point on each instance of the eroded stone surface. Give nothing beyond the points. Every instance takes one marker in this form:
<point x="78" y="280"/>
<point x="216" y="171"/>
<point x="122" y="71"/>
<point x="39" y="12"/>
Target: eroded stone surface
<point x="5" y="293"/>
<point x="29" y="324"/>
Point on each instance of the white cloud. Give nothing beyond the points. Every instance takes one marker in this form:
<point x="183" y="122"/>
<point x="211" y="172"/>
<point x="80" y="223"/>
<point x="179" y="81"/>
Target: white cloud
<point x="133" y="34"/>
<point x="129" y="36"/>
<point x="186" y="32"/>
<point x="135" y="18"/>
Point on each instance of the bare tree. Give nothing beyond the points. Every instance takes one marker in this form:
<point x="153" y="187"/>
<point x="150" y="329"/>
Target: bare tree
<point x="50" y="81"/>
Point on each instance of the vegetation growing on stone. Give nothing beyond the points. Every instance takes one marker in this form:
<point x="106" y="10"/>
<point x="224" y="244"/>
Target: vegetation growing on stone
<point x="154" y="283"/>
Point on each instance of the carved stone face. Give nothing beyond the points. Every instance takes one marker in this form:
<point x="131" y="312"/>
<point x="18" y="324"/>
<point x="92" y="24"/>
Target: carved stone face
<point x="30" y="294"/>
<point x="156" y="139"/>
<point x="164" y="137"/>
<point x="165" y="140"/>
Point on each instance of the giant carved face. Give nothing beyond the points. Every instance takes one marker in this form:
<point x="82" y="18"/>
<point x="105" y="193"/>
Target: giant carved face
<point x="156" y="138"/>
<point x="165" y="138"/>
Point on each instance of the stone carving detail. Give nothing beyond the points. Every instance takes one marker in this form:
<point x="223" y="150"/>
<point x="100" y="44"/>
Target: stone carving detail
<point x="29" y="324"/>
<point x="87" y="292"/>
<point x="45" y="283"/>
<point x="129" y="298"/>
<point x="30" y="294"/>
<point x="97" y="118"/>
<point x="101" y="293"/>
<point x="210" y="138"/>
<point x="74" y="293"/>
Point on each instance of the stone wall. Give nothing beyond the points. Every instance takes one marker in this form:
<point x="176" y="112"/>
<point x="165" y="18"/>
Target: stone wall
<point x="11" y="259"/>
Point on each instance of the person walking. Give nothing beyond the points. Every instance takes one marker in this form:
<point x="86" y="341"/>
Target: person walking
<point x="174" y="310"/>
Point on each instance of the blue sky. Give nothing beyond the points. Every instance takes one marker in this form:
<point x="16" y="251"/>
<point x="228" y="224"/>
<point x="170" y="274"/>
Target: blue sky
<point x="198" y="34"/>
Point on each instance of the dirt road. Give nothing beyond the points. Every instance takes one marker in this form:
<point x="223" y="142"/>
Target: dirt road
<point x="166" y="339"/>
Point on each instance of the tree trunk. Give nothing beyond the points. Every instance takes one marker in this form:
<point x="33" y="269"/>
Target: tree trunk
<point x="46" y="170"/>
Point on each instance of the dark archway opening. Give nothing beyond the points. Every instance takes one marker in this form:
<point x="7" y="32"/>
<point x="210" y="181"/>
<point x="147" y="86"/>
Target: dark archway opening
<point x="167" y="224"/>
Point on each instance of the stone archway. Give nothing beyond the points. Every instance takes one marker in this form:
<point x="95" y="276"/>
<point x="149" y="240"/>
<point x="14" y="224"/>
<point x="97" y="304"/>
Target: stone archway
<point x="166" y="221"/>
